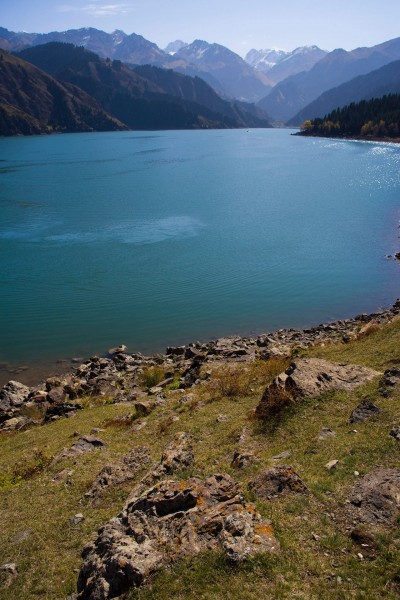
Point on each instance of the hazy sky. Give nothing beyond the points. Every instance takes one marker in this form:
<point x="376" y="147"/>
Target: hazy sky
<point x="238" y="24"/>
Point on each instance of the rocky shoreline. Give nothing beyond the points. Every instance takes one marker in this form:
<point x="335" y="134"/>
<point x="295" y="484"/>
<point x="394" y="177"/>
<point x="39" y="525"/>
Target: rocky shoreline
<point x="117" y="376"/>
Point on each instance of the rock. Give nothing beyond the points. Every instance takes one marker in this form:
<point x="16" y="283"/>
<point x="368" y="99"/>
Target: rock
<point x="332" y="464"/>
<point x="138" y="425"/>
<point x="390" y="379"/>
<point x="178" y="455"/>
<point x="242" y="459"/>
<point x="376" y="497"/>
<point x="62" y="475"/>
<point x="276" y="481"/>
<point x="325" y="434"/>
<point x="119" y="472"/>
<point x="170" y="521"/>
<point x="11" y="572"/>
<point x="86" y="443"/>
<point x="364" y="538"/>
<point x="12" y="396"/>
<point x="15" y="424"/>
<point x="118" y="350"/>
<point x="64" y="409"/>
<point x="222" y="418"/>
<point x="144" y="408"/>
<point x="76" y="519"/>
<point x="56" y="395"/>
<point x="364" y="411"/>
<point x="309" y="378"/>
<point x="22" y="535"/>
<point x="281" y="455"/>
<point x="395" y="432"/>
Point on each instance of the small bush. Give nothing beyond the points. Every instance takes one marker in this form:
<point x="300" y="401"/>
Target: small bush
<point x="152" y="376"/>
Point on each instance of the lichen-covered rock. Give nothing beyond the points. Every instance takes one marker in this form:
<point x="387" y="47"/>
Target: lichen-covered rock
<point x="277" y="481"/>
<point x="376" y="498"/>
<point x="169" y="521"/>
<point x="309" y="378"/>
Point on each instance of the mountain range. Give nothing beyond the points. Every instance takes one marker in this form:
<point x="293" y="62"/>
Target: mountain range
<point x="290" y="87"/>
<point x="291" y="95"/>
<point x="143" y="98"/>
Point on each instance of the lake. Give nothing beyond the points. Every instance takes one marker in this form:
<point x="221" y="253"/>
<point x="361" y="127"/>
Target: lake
<point x="162" y="238"/>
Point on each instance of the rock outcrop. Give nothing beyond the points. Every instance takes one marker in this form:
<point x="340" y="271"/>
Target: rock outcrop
<point x="309" y="378"/>
<point x="169" y="521"/>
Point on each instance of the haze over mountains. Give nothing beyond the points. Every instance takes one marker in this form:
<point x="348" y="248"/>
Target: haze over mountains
<point x="289" y="87"/>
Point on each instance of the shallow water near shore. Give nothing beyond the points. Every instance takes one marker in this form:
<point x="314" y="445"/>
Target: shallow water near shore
<point x="162" y="238"/>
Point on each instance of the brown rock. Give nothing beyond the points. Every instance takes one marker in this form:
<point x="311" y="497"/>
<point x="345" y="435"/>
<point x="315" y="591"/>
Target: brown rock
<point x="242" y="459"/>
<point x="276" y="481"/>
<point x="309" y="378"/>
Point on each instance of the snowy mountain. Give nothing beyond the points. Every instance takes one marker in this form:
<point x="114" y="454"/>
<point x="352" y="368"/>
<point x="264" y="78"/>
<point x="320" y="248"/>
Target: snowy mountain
<point x="174" y="47"/>
<point x="280" y="64"/>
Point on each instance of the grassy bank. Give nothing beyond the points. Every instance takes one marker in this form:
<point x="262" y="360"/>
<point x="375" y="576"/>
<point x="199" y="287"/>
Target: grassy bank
<point x="317" y="559"/>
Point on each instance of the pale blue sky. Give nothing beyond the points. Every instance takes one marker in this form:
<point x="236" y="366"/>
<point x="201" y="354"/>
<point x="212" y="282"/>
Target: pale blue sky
<point x="237" y="24"/>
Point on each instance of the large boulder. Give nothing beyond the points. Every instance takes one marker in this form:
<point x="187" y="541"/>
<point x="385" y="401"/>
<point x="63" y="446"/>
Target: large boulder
<point x="309" y="378"/>
<point x="170" y="521"/>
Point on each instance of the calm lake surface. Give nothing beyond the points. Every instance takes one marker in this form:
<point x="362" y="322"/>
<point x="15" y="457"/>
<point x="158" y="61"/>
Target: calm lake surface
<point x="155" y="239"/>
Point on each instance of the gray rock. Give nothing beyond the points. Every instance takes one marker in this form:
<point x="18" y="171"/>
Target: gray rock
<point x="15" y="424"/>
<point x="170" y="521"/>
<point x="390" y="379"/>
<point x="325" y="433"/>
<point x="77" y="519"/>
<point x="364" y="411"/>
<point x="395" y="432"/>
<point x="86" y="443"/>
<point x="309" y="378"/>
<point x="12" y="396"/>
<point x="277" y="481"/>
<point x="281" y="455"/>
<point x="376" y="497"/>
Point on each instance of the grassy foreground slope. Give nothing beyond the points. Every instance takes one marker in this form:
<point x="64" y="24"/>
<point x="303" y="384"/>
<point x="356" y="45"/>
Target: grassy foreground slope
<point x="317" y="559"/>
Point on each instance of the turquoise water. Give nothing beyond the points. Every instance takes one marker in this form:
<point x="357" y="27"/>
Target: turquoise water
<point x="151" y="239"/>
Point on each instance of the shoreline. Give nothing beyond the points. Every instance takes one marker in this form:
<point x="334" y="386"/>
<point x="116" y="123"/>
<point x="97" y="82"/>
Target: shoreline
<point x="349" y="138"/>
<point x="279" y="342"/>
